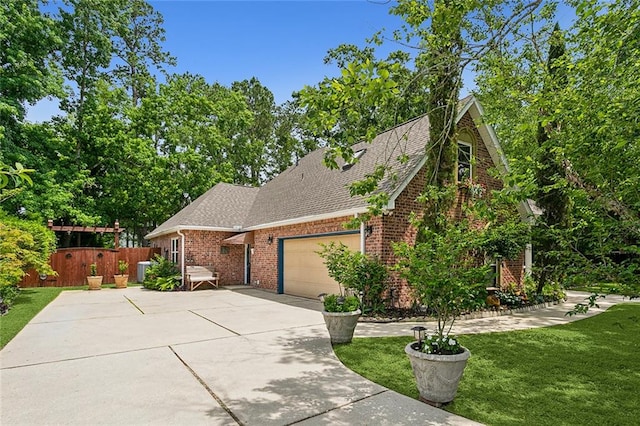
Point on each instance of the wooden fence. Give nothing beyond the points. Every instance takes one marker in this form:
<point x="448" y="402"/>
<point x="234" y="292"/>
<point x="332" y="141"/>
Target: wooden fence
<point x="72" y="265"/>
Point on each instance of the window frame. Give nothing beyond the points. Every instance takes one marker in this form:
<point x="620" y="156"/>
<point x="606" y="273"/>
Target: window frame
<point x="470" y="163"/>
<point x="175" y="250"/>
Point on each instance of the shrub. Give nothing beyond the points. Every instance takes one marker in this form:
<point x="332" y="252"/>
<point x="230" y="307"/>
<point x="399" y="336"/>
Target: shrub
<point x="357" y="272"/>
<point x="445" y="275"/>
<point x="23" y="245"/>
<point x="336" y="303"/>
<point x="123" y="267"/>
<point x="162" y="275"/>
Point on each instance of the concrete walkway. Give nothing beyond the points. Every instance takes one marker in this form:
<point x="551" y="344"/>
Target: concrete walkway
<point x="207" y="357"/>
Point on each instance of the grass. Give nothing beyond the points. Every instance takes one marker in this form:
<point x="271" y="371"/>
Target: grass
<point x="600" y="288"/>
<point x="585" y="372"/>
<point x="29" y="302"/>
<point x="27" y="305"/>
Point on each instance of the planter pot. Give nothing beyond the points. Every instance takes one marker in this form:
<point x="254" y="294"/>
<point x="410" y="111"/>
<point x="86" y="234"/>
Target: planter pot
<point x="341" y="325"/>
<point x="95" y="282"/>
<point x="121" y="280"/>
<point x="437" y="376"/>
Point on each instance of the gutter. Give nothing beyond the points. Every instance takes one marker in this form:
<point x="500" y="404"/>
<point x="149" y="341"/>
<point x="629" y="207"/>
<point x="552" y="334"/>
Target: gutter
<point x="182" y="248"/>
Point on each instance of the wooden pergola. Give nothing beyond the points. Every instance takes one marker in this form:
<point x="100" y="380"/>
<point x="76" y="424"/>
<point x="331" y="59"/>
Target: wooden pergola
<point x="116" y="230"/>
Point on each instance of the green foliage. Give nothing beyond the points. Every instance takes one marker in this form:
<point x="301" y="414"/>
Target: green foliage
<point x="123" y="267"/>
<point x="357" y="272"/>
<point x="337" y="303"/>
<point x="8" y="294"/>
<point x="93" y="269"/>
<point x="23" y="245"/>
<point x="28" y="74"/>
<point x="441" y="345"/>
<point x="17" y="173"/>
<point x="444" y="272"/>
<point x="162" y="275"/>
<point x="569" y="120"/>
<point x="551" y="386"/>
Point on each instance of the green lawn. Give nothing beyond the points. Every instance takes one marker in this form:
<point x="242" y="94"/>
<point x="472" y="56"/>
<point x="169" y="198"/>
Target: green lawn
<point x="28" y="304"/>
<point x="600" y="288"/>
<point x="582" y="373"/>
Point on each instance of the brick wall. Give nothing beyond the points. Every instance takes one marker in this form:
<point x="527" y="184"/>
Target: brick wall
<point x="204" y="248"/>
<point x="264" y="263"/>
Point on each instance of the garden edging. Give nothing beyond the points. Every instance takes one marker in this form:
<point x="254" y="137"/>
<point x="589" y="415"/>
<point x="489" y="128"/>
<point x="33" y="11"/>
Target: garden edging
<point x="469" y="316"/>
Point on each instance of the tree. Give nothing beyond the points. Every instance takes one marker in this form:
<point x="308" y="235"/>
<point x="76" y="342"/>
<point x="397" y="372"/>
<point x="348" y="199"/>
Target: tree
<point x="28" y="39"/>
<point x="137" y="37"/>
<point x="23" y="245"/>
<point x="588" y="158"/>
<point x="248" y="154"/>
<point x="552" y="195"/>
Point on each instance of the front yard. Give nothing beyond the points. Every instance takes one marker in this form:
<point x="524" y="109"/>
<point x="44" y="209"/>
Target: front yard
<point x="585" y="372"/>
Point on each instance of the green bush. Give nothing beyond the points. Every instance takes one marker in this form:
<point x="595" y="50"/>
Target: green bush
<point x="357" y="272"/>
<point x="23" y="245"/>
<point x="336" y="303"/>
<point x="162" y="275"/>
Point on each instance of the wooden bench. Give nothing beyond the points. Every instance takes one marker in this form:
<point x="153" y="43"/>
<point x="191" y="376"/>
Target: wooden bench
<point x="197" y="275"/>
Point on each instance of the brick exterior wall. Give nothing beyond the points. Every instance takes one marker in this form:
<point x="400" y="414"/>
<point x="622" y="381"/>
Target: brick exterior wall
<point x="203" y="247"/>
<point x="264" y="263"/>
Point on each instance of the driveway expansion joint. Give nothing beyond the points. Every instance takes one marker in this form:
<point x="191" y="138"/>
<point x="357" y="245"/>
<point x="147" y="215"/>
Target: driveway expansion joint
<point x="364" y="398"/>
<point x="134" y="305"/>
<point x="213" y="322"/>
<point x="208" y="389"/>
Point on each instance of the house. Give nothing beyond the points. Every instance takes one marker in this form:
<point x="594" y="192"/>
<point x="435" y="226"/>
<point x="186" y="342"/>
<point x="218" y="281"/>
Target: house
<point x="268" y="236"/>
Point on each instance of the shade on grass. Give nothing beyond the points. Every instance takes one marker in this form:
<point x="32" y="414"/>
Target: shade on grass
<point x="585" y="372"/>
<point x="29" y="302"/>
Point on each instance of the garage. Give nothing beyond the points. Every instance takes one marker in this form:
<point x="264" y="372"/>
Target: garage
<point x="303" y="271"/>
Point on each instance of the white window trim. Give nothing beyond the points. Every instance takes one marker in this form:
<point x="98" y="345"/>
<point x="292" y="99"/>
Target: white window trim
<point x="173" y="254"/>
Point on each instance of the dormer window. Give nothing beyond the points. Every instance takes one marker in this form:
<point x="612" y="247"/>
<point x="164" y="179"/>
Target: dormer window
<point x="465" y="155"/>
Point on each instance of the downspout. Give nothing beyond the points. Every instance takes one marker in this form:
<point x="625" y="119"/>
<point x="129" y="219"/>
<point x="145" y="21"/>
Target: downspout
<point x="362" y="236"/>
<point x="528" y="260"/>
<point x="181" y="256"/>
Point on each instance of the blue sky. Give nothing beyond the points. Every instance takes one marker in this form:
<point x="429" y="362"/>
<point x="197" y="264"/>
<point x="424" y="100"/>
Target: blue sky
<point x="282" y="43"/>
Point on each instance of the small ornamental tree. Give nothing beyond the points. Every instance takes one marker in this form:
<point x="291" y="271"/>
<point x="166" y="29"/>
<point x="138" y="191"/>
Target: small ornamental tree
<point x="446" y="276"/>
<point x="354" y="271"/>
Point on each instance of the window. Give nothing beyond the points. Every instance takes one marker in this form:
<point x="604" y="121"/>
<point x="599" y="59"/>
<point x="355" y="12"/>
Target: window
<point x="465" y="154"/>
<point x="495" y="273"/>
<point x="174" y="250"/>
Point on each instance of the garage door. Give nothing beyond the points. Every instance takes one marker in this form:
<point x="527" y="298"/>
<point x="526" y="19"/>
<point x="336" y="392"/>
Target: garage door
<point x="304" y="272"/>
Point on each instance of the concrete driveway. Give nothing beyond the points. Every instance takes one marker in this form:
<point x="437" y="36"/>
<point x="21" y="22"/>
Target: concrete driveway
<point x="210" y="357"/>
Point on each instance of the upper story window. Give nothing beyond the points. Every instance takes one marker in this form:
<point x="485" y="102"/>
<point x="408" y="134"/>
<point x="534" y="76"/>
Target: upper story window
<point x="465" y="156"/>
<point x="174" y="250"/>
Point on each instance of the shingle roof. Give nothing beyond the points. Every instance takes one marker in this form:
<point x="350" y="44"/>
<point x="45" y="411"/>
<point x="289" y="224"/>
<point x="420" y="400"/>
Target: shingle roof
<point x="309" y="189"/>
<point x="224" y="206"/>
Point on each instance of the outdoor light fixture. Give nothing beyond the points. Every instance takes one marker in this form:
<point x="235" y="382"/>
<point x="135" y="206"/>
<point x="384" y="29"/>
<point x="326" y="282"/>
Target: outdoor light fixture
<point x="368" y="230"/>
<point x="270" y="239"/>
<point x="418" y="333"/>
